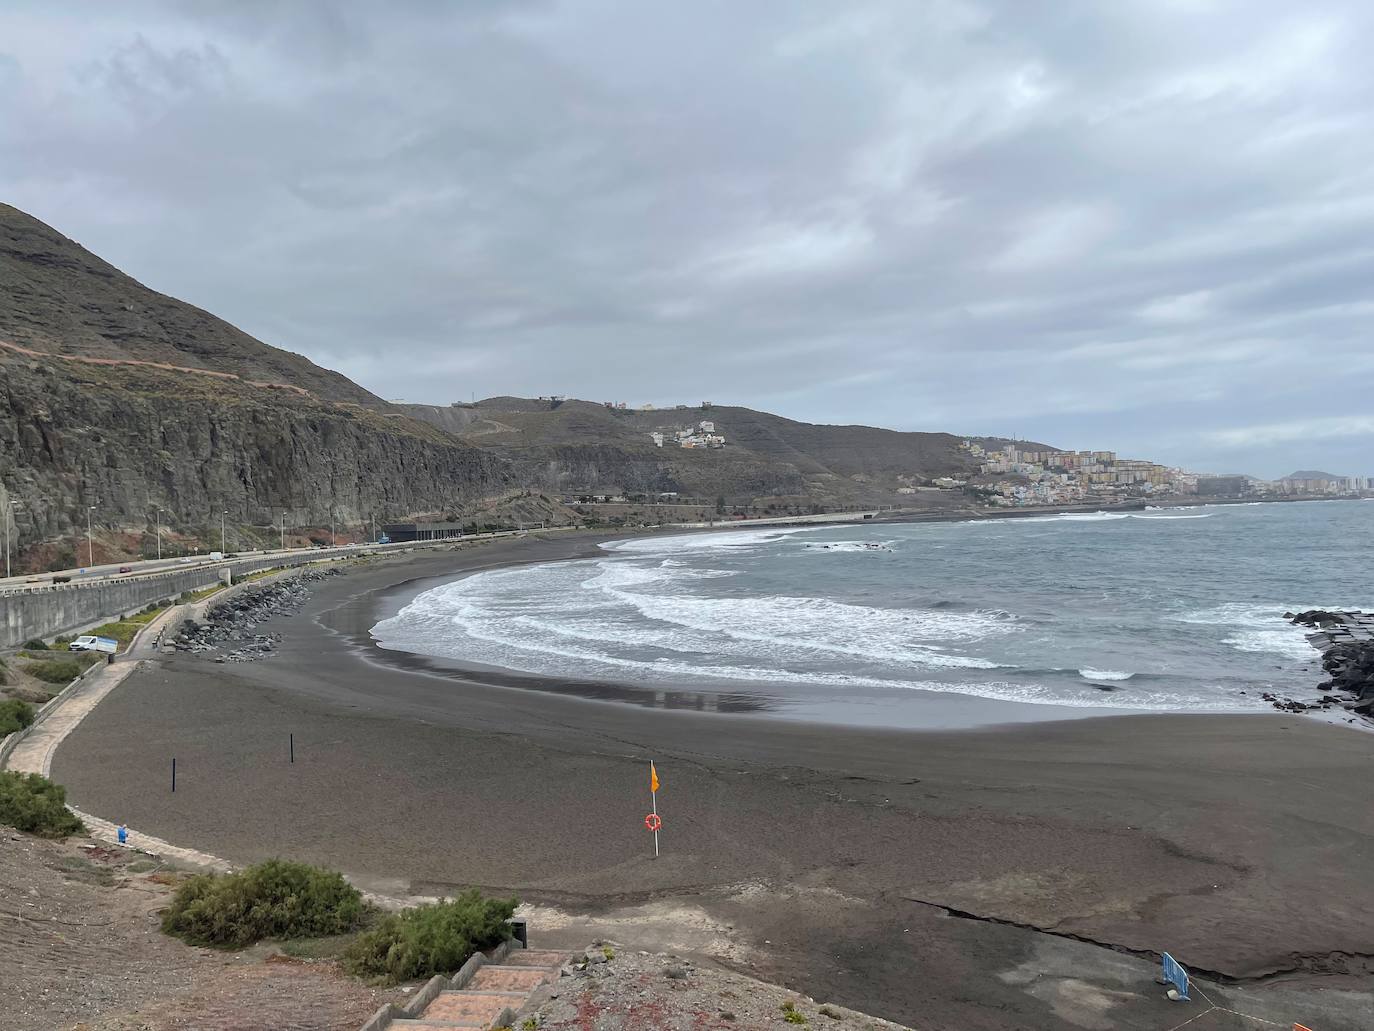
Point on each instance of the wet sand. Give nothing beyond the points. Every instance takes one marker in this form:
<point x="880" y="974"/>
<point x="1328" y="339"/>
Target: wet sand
<point x="886" y="869"/>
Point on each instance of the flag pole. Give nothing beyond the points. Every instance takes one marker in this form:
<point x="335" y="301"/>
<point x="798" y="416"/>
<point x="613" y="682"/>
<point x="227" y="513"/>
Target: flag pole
<point x="653" y="801"/>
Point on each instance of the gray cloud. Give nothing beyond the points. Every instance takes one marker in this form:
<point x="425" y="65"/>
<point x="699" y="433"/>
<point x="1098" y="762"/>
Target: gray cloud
<point x="1141" y="225"/>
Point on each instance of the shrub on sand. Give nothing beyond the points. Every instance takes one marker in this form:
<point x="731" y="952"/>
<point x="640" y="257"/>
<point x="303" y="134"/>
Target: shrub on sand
<point x="275" y="899"/>
<point x="36" y="805"/>
<point x="431" y="939"/>
<point x="36" y="644"/>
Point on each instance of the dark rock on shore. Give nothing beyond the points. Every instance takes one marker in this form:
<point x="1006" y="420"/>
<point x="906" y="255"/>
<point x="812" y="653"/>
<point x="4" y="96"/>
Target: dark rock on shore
<point x="1315" y="617"/>
<point x="1347" y="657"/>
<point x="231" y="622"/>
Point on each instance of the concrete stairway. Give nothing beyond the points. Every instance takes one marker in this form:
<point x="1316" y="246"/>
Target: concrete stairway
<point x="481" y="995"/>
<point x="492" y="991"/>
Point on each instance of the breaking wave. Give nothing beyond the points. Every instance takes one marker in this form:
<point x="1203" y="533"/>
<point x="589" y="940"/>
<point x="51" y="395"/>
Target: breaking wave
<point x="1137" y="617"/>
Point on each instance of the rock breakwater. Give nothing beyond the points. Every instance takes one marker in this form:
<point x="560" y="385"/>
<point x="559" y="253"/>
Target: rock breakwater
<point x="1346" y="643"/>
<point x="229" y="627"/>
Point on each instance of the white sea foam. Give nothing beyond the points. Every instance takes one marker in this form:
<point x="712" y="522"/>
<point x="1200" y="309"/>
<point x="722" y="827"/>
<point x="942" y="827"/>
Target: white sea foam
<point x="462" y="624"/>
<point x="719" y="540"/>
<point x="805" y="624"/>
<point x="1274" y="642"/>
<point x="1065" y="517"/>
<point x="1256" y="628"/>
<point x="732" y="607"/>
<point x="1259" y="628"/>
<point x="848" y="546"/>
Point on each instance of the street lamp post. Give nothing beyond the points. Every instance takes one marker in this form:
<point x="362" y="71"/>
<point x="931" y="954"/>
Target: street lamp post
<point x="9" y="518"/>
<point x="283" y="531"/>
<point x="90" y="544"/>
<point x="159" y="534"/>
<point x="333" y="538"/>
<point x="222" y="549"/>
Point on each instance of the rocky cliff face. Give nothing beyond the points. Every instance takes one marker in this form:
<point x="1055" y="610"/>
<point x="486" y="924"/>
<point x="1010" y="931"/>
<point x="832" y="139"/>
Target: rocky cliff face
<point x="115" y="396"/>
<point x="130" y="440"/>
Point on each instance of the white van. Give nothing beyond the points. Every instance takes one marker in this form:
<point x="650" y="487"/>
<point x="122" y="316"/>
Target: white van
<point x="90" y="643"/>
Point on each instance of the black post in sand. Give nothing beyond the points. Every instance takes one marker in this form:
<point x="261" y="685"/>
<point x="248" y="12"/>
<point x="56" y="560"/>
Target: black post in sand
<point x="174" y="773"/>
<point x="292" y="739"/>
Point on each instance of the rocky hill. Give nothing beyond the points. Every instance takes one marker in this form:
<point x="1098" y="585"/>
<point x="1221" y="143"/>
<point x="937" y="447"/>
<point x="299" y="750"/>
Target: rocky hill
<point x="59" y="298"/>
<point x="579" y="445"/>
<point x="120" y="400"/>
<point x="118" y="397"/>
<point x="1312" y="474"/>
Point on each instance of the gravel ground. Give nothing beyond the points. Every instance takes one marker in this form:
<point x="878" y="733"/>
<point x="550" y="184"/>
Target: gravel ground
<point x="641" y="991"/>
<point x="80" y="950"/>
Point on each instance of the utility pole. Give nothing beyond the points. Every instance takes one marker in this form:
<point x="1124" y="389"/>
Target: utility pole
<point x="90" y="546"/>
<point x="333" y="538"/>
<point x="159" y="534"/>
<point x="222" y="549"/>
<point x="283" y="531"/>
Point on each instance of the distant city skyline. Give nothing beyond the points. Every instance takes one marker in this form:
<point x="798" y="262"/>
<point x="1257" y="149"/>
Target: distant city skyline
<point x="1140" y="226"/>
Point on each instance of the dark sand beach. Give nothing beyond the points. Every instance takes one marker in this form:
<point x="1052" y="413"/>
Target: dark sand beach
<point x="927" y="877"/>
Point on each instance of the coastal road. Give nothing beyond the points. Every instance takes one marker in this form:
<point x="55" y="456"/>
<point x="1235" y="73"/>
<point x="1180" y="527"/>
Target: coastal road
<point x="143" y="567"/>
<point x="138" y="567"/>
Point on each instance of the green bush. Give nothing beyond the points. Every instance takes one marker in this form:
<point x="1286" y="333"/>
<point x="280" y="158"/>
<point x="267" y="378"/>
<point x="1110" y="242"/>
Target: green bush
<point x="34" y="804"/>
<point x="432" y="939"/>
<point x="56" y="671"/>
<point x="14" y="716"/>
<point x="275" y="899"/>
<point x="36" y="644"/>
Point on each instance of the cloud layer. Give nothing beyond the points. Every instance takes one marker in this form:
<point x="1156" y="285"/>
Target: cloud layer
<point x="1144" y="225"/>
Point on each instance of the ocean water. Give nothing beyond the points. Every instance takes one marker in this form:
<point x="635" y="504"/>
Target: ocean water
<point x="1155" y="611"/>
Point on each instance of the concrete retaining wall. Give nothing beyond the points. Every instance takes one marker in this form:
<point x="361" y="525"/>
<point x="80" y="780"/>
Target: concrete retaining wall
<point x="63" y="608"/>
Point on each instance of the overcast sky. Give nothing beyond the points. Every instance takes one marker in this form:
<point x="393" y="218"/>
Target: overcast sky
<point x="1146" y="226"/>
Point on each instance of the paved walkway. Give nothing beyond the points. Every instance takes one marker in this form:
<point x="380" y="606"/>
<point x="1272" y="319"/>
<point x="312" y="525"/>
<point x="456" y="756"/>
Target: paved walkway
<point x="34" y="754"/>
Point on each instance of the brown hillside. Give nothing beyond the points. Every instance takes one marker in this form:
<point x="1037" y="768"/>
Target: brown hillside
<point x="60" y="298"/>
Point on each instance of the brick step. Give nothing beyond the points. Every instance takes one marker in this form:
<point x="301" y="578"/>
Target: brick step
<point x="509" y="979"/>
<point x="469" y="1008"/>
<point x="535" y="958"/>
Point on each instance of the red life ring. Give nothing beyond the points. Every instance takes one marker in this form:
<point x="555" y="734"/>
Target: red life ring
<point x="653" y="822"/>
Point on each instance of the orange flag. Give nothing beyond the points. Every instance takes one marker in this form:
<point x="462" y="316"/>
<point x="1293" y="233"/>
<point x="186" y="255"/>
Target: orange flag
<point x="653" y="778"/>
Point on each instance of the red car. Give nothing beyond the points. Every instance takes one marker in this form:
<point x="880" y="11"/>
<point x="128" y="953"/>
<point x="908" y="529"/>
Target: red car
<point x="126" y="569"/>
